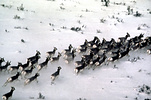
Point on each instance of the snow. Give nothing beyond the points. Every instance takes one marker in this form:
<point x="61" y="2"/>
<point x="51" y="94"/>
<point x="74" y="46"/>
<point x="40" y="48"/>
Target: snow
<point x="103" y="83"/>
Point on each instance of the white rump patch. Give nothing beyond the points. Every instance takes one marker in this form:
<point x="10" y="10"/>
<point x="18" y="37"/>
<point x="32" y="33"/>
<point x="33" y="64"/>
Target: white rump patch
<point x="76" y="71"/>
<point x="149" y="51"/>
<point x="118" y="40"/>
<point x="4" y="98"/>
<point x="94" y="46"/>
<point x="53" y="78"/>
<point x="97" y="63"/>
<point x="66" y="61"/>
<point x="91" y="62"/>
<point x="23" y="73"/>
<point x="9" y="79"/>
<point x="39" y="67"/>
<point x="21" y="68"/>
<point x="110" y="59"/>
<point x="10" y="69"/>
<point x="27" y="81"/>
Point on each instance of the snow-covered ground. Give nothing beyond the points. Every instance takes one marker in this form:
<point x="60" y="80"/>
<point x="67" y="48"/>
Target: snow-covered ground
<point x="45" y="24"/>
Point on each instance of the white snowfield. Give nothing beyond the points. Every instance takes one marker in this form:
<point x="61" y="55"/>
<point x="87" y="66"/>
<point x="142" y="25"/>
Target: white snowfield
<point x="30" y="25"/>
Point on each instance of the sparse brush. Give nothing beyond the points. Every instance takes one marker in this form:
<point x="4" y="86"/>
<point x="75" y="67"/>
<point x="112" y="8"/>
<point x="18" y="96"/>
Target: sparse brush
<point x="51" y="24"/>
<point x="16" y="17"/>
<point x="6" y="30"/>
<point x="17" y="27"/>
<point x="137" y="14"/>
<point x="76" y="29"/>
<point x="102" y="20"/>
<point x="139" y="28"/>
<point x="79" y="21"/>
<point x="62" y="8"/>
<point x="50" y="0"/>
<point x="87" y="10"/>
<point x="64" y="27"/>
<point x="82" y="99"/>
<point x="41" y="96"/>
<point x="22" y="40"/>
<point x="6" y="6"/>
<point x="3" y="5"/>
<point x="26" y="28"/>
<point x="62" y="4"/>
<point x="21" y="8"/>
<point x="98" y="31"/>
<point x="80" y="16"/>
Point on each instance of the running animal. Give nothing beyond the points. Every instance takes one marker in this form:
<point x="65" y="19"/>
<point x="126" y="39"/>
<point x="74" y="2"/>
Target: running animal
<point x="123" y="39"/>
<point x="68" y="50"/>
<point x="14" y="68"/>
<point x="1" y="60"/>
<point x="79" y="63"/>
<point x="27" y="72"/>
<point x="83" y="45"/>
<point x="35" y="62"/>
<point x="55" y="58"/>
<point x="34" y="57"/>
<point x="29" y="80"/>
<point x="56" y="74"/>
<point x="5" y="66"/>
<point x="24" y="66"/>
<point x="113" y="58"/>
<point x="102" y="60"/>
<point x="51" y="53"/>
<point x="149" y="51"/>
<point x="43" y="64"/>
<point x="80" y="68"/>
<point x="13" y="78"/>
<point x="69" y="55"/>
<point x="9" y="94"/>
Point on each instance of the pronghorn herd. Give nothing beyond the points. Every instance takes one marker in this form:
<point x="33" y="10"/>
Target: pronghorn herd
<point x="94" y="53"/>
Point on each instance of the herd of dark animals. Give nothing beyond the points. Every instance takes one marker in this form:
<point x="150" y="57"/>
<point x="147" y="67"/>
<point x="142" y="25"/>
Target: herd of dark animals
<point x="98" y="53"/>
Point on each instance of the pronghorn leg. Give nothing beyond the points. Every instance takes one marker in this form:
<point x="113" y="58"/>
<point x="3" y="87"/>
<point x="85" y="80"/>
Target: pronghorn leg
<point x="5" y="83"/>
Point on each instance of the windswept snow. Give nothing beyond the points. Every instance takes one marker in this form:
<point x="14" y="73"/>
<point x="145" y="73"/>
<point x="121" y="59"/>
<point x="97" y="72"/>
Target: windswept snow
<point x="45" y="24"/>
